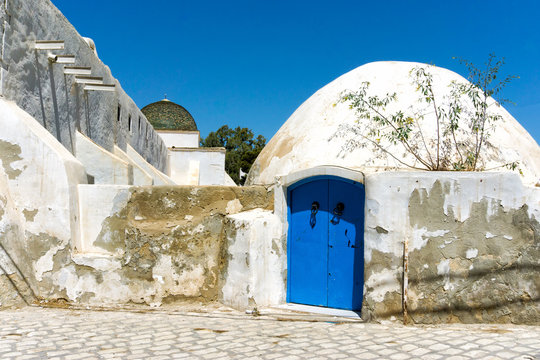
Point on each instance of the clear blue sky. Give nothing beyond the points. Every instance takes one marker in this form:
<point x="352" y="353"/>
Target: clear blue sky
<point x="252" y="63"/>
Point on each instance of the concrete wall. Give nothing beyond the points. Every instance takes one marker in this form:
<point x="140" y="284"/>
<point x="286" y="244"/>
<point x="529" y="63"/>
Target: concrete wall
<point x="207" y="165"/>
<point x="62" y="240"/>
<point x="97" y="203"/>
<point x="54" y="99"/>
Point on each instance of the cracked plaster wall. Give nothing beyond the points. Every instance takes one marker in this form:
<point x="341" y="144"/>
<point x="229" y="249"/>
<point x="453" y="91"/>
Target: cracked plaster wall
<point x="473" y="247"/>
<point x="53" y="99"/>
<point x="10" y="232"/>
<point x="158" y="245"/>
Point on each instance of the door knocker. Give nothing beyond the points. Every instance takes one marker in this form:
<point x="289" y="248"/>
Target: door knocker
<point x="337" y="212"/>
<point x="314" y="210"/>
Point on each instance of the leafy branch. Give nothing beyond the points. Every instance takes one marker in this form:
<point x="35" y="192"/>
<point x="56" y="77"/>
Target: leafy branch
<point x="462" y="119"/>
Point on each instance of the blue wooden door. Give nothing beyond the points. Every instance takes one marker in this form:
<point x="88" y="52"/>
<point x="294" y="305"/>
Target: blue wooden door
<point x="326" y="243"/>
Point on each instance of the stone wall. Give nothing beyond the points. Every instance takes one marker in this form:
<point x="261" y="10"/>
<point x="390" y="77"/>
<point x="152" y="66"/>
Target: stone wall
<point x="54" y="99"/>
<point x="158" y="244"/>
<point x="472" y="248"/>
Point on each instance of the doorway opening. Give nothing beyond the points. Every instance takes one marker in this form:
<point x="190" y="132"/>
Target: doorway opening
<point x="325" y="244"/>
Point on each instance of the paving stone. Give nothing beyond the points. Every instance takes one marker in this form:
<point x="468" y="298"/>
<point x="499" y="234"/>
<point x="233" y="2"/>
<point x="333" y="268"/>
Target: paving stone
<point x="400" y="356"/>
<point x="34" y="333"/>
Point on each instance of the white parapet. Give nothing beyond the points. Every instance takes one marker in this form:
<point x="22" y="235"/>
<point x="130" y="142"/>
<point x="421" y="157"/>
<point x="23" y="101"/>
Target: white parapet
<point x="179" y="138"/>
<point x="158" y="177"/>
<point x="140" y="176"/>
<point x="103" y="166"/>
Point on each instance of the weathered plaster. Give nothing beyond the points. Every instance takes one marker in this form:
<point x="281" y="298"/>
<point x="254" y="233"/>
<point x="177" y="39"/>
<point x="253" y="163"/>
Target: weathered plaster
<point x="8" y="294"/>
<point x="9" y="153"/>
<point x="99" y="206"/>
<point x="14" y="290"/>
<point x="148" y="245"/>
<point x="478" y="277"/>
<point x="455" y="273"/>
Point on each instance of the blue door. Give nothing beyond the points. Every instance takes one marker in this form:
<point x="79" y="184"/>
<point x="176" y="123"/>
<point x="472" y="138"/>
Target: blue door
<point x="325" y="246"/>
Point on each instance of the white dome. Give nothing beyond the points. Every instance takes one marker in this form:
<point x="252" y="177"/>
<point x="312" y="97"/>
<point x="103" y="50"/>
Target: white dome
<point x="306" y="139"/>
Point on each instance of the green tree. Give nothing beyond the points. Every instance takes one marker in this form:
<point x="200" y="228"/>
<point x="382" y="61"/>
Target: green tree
<point x="463" y="119"/>
<point x="242" y="149"/>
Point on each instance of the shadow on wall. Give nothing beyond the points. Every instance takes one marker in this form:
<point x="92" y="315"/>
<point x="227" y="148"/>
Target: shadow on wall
<point x="40" y="92"/>
<point x="69" y="121"/>
<point x="478" y="301"/>
<point x="55" y="105"/>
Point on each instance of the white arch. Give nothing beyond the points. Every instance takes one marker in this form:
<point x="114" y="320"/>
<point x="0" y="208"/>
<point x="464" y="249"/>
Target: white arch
<point x="282" y="183"/>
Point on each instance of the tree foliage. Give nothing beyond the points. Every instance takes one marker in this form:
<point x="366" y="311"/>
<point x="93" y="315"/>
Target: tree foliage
<point x="463" y="119"/>
<point x="242" y="149"/>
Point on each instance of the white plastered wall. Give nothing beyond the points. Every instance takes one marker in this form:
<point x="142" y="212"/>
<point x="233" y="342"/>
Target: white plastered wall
<point x="207" y="163"/>
<point x="42" y="177"/>
<point x="180" y="139"/>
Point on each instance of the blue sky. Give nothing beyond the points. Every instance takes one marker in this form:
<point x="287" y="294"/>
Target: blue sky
<point x="252" y="63"/>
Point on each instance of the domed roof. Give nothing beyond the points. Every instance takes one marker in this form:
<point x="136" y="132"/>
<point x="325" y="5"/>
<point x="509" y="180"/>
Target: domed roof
<point x="166" y="115"/>
<point x="316" y="134"/>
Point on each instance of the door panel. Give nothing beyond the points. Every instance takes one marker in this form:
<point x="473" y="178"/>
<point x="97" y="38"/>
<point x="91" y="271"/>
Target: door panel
<point x="308" y="244"/>
<point x="345" y="253"/>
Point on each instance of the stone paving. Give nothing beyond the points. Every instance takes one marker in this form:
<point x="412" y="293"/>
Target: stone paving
<point x="37" y="333"/>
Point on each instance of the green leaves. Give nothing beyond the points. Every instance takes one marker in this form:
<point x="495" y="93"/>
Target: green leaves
<point x="462" y="117"/>
<point x="242" y="149"/>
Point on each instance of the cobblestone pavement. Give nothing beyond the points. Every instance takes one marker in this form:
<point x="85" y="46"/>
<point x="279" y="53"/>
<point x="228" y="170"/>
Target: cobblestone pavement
<point x="35" y="333"/>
